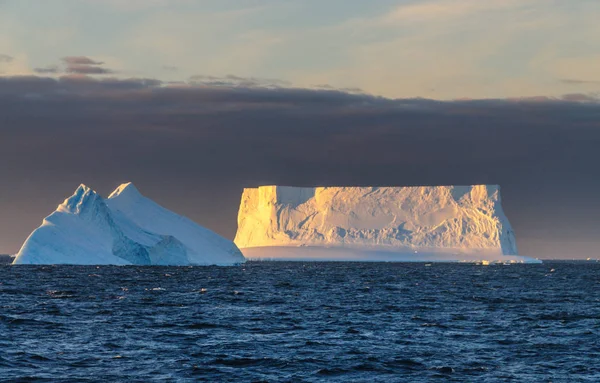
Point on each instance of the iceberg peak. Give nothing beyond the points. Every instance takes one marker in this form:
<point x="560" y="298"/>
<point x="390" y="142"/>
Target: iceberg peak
<point x="84" y="199"/>
<point x="127" y="189"/>
<point x="83" y="188"/>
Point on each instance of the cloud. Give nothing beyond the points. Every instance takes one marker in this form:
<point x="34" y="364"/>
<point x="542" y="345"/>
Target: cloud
<point x="53" y="69"/>
<point x="237" y="81"/>
<point x="210" y="141"/>
<point x="578" y="82"/>
<point x="80" y="60"/>
<point x="76" y="65"/>
<point x="5" y="58"/>
<point x="580" y="97"/>
<point x="448" y="9"/>
<point x="170" y="68"/>
<point x="87" y="69"/>
<point x="331" y="87"/>
<point x="453" y="48"/>
<point x="84" y="65"/>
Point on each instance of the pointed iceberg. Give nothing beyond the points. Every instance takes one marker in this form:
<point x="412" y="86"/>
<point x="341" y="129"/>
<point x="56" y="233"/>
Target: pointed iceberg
<point x="203" y="245"/>
<point x="87" y="229"/>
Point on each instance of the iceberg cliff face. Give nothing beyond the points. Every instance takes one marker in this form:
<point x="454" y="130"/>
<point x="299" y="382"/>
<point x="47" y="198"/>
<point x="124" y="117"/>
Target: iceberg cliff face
<point x="456" y="221"/>
<point x="125" y="229"/>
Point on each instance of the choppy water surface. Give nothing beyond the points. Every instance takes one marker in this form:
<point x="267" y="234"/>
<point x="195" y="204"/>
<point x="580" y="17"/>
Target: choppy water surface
<point x="301" y="322"/>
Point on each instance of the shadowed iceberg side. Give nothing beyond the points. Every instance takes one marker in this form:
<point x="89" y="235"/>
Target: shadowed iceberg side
<point x="429" y="223"/>
<point x="127" y="228"/>
<point x="203" y="245"/>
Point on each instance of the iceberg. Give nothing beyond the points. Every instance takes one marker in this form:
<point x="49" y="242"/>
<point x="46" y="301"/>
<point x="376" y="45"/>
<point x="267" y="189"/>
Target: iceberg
<point x="125" y="229"/>
<point x="425" y="223"/>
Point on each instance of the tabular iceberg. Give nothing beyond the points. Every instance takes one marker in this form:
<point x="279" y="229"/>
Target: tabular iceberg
<point x="127" y="228"/>
<point x="429" y="223"/>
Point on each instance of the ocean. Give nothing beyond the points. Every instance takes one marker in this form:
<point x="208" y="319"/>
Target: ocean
<point x="301" y="322"/>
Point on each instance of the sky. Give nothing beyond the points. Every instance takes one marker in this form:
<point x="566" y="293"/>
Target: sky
<point x="441" y="49"/>
<point x="194" y="100"/>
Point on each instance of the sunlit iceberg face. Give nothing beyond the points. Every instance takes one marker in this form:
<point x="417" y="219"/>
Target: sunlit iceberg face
<point x="449" y="223"/>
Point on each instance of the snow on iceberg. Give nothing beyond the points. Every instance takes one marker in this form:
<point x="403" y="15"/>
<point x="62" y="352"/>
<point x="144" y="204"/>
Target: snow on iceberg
<point x="429" y="223"/>
<point x="127" y="228"/>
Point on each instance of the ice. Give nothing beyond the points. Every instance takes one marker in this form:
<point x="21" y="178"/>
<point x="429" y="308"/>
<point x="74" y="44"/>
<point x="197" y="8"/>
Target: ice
<point x="203" y="246"/>
<point x="429" y="223"/>
<point x="127" y="228"/>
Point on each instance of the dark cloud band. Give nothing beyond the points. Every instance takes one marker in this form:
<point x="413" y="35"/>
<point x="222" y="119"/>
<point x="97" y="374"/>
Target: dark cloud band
<point x="193" y="146"/>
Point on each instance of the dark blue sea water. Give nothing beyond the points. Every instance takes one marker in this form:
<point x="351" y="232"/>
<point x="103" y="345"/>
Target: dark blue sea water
<point x="301" y="322"/>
